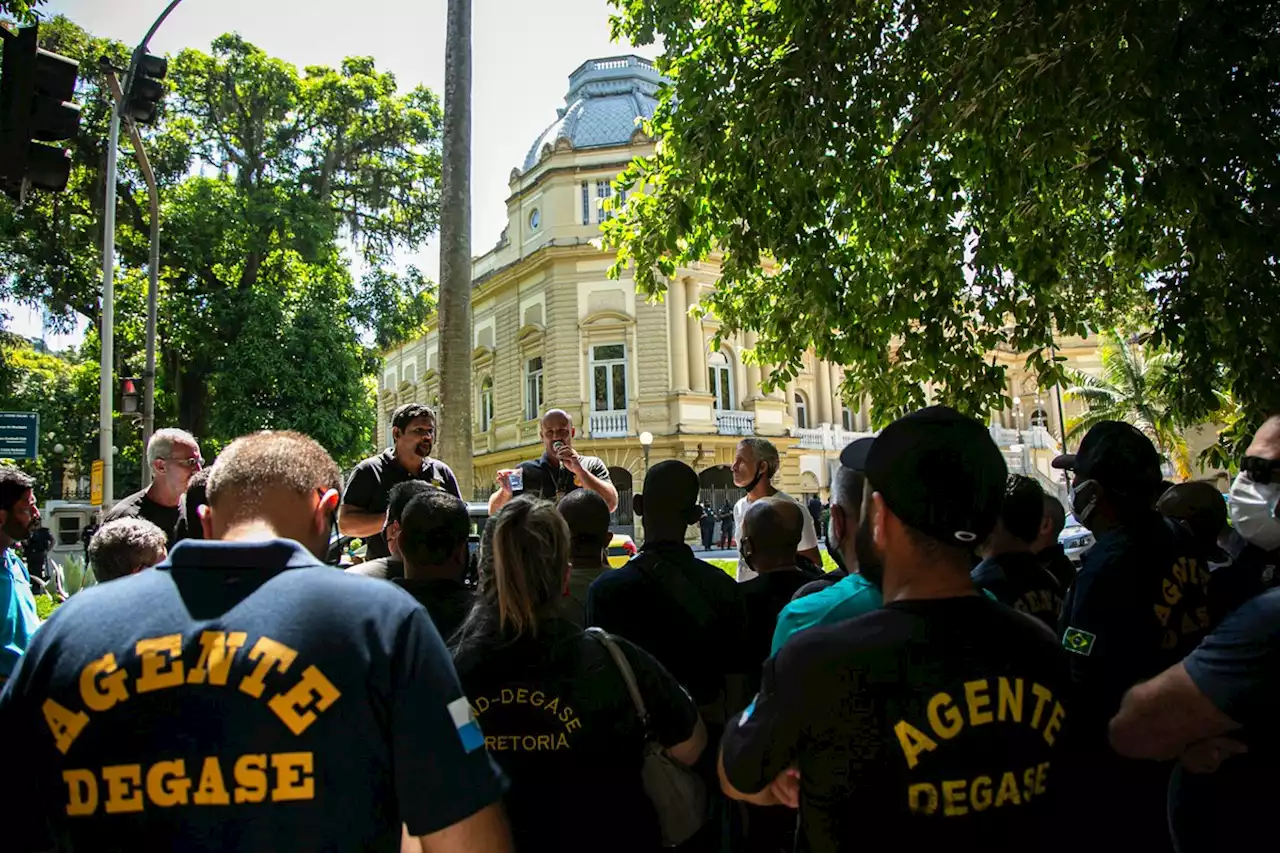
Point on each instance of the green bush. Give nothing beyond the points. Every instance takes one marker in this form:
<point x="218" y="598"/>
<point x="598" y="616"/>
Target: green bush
<point x="45" y="604"/>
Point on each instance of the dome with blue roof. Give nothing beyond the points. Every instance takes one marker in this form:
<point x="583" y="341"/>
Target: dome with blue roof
<point x="607" y="101"/>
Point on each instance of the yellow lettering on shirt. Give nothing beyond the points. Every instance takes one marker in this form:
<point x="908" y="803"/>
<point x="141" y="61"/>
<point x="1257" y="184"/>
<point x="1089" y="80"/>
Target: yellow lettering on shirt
<point x="1162" y="613"/>
<point x="251" y="778"/>
<point x="270" y="655"/>
<point x="1055" y="723"/>
<point x="65" y="725"/>
<point x="1008" y="790"/>
<point x="217" y="650"/>
<point x="312" y="695"/>
<point x="1010" y="699"/>
<point x="975" y="694"/>
<point x="211" y="791"/>
<point x="124" y="788"/>
<point x="1042" y="695"/>
<point x="167" y="783"/>
<point x="960" y="796"/>
<point x="102" y="684"/>
<point x="1172" y="592"/>
<point x="82" y="792"/>
<point x="1042" y="770"/>
<point x="913" y="742"/>
<point x="953" y="798"/>
<point x="922" y="798"/>
<point x="980" y="793"/>
<point x="161" y="663"/>
<point x="294" y="779"/>
<point x="944" y="716"/>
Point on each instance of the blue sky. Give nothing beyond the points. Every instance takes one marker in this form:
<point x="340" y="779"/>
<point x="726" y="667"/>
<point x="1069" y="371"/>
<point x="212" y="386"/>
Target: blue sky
<point x="522" y="53"/>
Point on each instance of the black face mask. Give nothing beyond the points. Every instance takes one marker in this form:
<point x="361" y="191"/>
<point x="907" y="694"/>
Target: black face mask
<point x="869" y="565"/>
<point x="754" y="480"/>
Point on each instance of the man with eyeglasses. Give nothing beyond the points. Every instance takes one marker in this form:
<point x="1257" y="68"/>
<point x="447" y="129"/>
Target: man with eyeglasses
<point x="174" y="457"/>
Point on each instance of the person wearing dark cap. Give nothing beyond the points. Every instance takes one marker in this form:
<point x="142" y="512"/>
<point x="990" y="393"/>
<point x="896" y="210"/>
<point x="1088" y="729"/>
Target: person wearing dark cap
<point x="1009" y="570"/>
<point x="391" y="566"/>
<point x="1138" y="606"/>
<point x="935" y="722"/>
<point x="433" y="543"/>
<point x="857" y="591"/>
<point x="1052" y="555"/>
<point x="587" y="515"/>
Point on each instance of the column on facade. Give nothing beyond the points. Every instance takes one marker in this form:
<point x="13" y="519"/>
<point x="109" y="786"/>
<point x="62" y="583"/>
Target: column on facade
<point x="837" y="400"/>
<point x="791" y="399"/>
<point x="741" y="389"/>
<point x="697" y="345"/>
<point x="823" y="394"/>
<point x="676" y="321"/>
<point x="864" y="413"/>
<point x="753" y="371"/>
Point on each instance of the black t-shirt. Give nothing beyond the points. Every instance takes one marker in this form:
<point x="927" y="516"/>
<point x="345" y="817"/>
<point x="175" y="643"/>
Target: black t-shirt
<point x="239" y="696"/>
<point x="370" y="487"/>
<point x="686" y="613"/>
<point x="559" y="721"/>
<point x="1020" y="581"/>
<point x="448" y="602"/>
<point x="927" y="725"/>
<point x="551" y="480"/>
<point x="1238" y="668"/>
<point x="763" y="597"/>
<point x="138" y="505"/>
<point x="1139" y="605"/>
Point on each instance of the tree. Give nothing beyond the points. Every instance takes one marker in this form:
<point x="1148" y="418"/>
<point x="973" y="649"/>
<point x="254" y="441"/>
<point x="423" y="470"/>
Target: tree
<point x="455" y="250"/>
<point x="905" y="186"/>
<point x="1130" y="389"/>
<point x="265" y="174"/>
<point x="22" y="10"/>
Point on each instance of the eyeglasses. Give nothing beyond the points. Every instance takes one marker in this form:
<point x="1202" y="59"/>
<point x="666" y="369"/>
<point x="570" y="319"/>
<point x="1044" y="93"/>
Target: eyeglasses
<point x="1260" y="469"/>
<point x="189" y="462"/>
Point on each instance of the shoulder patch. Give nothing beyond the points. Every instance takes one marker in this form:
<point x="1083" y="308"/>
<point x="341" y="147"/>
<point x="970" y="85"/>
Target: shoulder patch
<point x="466" y="724"/>
<point x="1079" y="642"/>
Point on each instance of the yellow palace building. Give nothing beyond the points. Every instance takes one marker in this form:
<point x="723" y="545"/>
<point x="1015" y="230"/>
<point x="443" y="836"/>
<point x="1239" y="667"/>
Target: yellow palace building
<point x="551" y="330"/>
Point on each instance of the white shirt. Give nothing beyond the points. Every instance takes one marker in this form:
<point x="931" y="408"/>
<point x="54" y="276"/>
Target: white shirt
<point x="808" y="539"/>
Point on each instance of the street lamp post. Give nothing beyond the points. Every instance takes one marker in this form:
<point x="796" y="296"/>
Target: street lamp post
<point x="646" y="441"/>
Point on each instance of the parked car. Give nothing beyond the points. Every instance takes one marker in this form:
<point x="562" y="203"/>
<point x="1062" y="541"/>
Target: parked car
<point x="1076" y="540"/>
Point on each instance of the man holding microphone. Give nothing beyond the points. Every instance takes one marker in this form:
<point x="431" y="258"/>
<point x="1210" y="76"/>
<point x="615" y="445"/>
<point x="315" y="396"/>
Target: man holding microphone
<point x="560" y="469"/>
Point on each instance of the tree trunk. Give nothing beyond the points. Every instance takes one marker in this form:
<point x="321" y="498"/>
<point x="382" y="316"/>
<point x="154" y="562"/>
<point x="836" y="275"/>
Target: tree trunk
<point x="455" y="251"/>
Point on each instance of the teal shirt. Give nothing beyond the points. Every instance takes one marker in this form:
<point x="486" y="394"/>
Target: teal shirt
<point x="849" y="597"/>
<point x="20" y="619"/>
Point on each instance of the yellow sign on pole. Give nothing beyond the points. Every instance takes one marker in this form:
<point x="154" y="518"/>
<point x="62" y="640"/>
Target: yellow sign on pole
<point x="95" y="483"/>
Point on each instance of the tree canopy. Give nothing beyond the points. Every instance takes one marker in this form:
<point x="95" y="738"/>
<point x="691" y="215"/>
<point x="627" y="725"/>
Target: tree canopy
<point x="906" y="186"/>
<point x="272" y="182"/>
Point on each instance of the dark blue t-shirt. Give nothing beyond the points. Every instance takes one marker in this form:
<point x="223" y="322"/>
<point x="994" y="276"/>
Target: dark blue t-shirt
<point x="240" y="696"/>
<point x="1236" y="667"/>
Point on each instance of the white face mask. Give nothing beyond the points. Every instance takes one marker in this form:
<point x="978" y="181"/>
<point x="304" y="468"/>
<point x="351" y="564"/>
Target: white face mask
<point x="1253" y="511"/>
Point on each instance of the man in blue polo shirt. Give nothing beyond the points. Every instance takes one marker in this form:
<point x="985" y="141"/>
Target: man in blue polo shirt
<point x="243" y="696"/>
<point x="859" y="591"/>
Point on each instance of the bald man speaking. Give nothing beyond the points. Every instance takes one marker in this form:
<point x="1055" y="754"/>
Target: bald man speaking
<point x="560" y="469"/>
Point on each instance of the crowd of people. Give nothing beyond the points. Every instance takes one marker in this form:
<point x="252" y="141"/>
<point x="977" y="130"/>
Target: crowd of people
<point x="955" y="682"/>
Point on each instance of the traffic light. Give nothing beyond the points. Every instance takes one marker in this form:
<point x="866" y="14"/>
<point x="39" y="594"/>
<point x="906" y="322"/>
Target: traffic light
<point x="129" y="396"/>
<point x="36" y="88"/>
<point x="142" y="101"/>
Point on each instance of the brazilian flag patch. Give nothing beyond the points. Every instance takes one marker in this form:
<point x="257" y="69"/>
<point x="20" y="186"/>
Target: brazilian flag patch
<point x="1080" y="642"/>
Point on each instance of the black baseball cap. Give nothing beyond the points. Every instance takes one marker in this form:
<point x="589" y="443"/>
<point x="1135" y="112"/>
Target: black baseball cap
<point x="1118" y="456"/>
<point x="938" y="470"/>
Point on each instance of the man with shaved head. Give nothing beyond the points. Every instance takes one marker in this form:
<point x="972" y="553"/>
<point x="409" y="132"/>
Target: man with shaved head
<point x="771" y="532"/>
<point x="233" y="694"/>
<point x="558" y="471"/>
<point x="684" y="612"/>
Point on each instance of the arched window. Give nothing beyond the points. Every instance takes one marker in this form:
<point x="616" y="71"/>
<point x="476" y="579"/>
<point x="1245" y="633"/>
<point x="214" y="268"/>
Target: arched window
<point x="486" y="404"/>
<point x="846" y="418"/>
<point x="720" y="379"/>
<point x="802" y="412"/>
<point x="1040" y="418"/>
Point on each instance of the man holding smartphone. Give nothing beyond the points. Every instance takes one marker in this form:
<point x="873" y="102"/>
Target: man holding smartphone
<point x="558" y="471"/>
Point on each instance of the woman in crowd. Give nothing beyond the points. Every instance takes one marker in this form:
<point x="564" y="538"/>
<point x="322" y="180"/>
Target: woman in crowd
<point x="553" y="706"/>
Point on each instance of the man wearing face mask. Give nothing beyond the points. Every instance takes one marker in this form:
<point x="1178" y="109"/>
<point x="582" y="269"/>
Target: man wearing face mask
<point x="754" y="466"/>
<point x="1139" y="605"/>
<point x="1216" y="709"/>
<point x="847" y="533"/>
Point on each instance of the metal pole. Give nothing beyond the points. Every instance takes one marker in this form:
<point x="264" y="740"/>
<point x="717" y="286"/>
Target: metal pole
<point x="105" y="380"/>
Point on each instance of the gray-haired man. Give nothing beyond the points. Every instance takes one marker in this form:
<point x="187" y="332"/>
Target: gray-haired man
<point x="174" y="457"/>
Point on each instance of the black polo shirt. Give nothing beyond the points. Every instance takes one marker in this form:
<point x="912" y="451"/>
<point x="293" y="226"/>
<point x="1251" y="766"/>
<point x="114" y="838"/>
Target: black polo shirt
<point x="370" y="487"/>
<point x="447" y="601"/>
<point x="559" y="721"/>
<point x="139" y="505"/>
<point x="926" y="725"/>
<point x="1021" y="581"/>
<point x="551" y="481"/>
<point x="239" y="696"/>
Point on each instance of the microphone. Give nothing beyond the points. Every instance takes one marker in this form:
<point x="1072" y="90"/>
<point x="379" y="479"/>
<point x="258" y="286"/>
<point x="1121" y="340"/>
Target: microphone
<point x="557" y="445"/>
